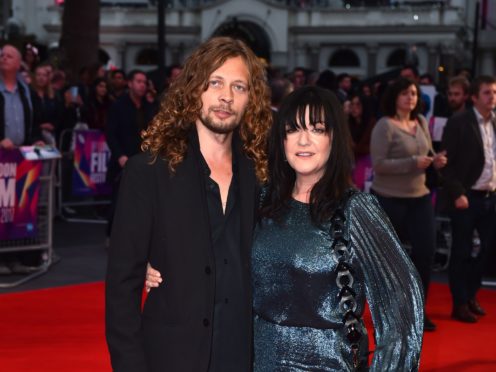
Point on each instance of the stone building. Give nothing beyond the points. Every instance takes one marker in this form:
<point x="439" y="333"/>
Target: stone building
<point x="363" y="38"/>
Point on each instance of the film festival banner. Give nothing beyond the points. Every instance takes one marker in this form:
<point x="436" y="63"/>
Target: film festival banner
<point x="91" y="155"/>
<point x="19" y="193"/>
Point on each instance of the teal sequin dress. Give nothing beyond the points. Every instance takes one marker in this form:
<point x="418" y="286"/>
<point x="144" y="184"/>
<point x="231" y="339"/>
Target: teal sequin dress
<point x="297" y="321"/>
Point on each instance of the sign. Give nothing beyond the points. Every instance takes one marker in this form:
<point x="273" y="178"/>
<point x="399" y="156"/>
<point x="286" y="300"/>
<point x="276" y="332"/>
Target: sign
<point x="91" y="155"/>
<point x="19" y="193"/>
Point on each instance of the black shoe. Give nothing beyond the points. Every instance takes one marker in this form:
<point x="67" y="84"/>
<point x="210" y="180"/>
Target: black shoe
<point x="429" y="326"/>
<point x="463" y="314"/>
<point x="475" y="307"/>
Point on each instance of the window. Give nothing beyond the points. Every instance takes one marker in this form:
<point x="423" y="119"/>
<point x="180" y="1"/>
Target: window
<point x="396" y="58"/>
<point x="344" y="58"/>
<point x="147" y="56"/>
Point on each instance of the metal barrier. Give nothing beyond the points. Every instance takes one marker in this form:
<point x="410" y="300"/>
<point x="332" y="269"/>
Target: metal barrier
<point x="66" y="201"/>
<point x="43" y="239"/>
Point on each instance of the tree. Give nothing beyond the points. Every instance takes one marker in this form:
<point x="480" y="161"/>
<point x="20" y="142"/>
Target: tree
<point x="79" y="40"/>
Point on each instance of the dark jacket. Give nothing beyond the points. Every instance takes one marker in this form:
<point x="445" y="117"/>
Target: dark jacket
<point x="465" y="151"/>
<point x="32" y="133"/>
<point x="163" y="219"/>
<point x="123" y="131"/>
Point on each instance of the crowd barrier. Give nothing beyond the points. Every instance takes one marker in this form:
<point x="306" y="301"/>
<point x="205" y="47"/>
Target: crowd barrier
<point x="81" y="180"/>
<point x="27" y="204"/>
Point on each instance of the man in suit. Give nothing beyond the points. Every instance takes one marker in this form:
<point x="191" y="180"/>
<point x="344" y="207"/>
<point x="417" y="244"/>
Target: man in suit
<point x="470" y="182"/>
<point x="187" y="205"/>
<point x="127" y="117"/>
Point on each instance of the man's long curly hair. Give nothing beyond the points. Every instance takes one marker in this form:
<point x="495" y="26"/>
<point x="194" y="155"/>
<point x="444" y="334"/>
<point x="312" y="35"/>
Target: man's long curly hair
<point x="167" y="133"/>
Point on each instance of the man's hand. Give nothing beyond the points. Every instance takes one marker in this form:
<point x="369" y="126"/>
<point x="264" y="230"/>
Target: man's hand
<point x="461" y="202"/>
<point x="153" y="278"/>
<point x="123" y="160"/>
<point x="7" y="144"/>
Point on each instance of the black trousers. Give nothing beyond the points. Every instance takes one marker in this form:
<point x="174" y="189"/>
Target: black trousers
<point x="465" y="271"/>
<point x="413" y="219"/>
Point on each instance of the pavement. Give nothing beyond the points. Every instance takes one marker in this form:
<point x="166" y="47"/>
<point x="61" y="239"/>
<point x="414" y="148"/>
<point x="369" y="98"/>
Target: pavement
<point x="80" y="256"/>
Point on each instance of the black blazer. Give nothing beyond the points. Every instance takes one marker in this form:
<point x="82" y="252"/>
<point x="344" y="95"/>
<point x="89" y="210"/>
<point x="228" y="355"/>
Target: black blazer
<point x="163" y="219"/>
<point x="465" y="151"/>
<point x="123" y="133"/>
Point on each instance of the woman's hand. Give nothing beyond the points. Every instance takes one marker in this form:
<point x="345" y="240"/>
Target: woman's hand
<point x="423" y="162"/>
<point x="440" y="160"/>
<point x="153" y="278"/>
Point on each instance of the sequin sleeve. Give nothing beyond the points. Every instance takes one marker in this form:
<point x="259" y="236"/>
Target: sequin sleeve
<point x="392" y="286"/>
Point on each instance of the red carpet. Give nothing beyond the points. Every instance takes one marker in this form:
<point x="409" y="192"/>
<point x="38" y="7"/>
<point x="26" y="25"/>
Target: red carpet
<point x="61" y="329"/>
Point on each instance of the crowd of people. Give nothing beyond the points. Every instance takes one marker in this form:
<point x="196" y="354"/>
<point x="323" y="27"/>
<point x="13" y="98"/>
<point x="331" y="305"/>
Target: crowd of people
<point x="39" y="107"/>
<point x="233" y="140"/>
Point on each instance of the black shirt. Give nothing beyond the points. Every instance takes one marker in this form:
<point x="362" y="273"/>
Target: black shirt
<point x="230" y="331"/>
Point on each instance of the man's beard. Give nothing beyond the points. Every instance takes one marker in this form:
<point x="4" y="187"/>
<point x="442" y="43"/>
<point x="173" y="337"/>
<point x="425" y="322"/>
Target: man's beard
<point x="218" y="127"/>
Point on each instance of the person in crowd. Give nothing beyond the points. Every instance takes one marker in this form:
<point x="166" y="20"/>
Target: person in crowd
<point x="344" y="87"/>
<point x="118" y="84"/>
<point x="458" y="94"/>
<point x="186" y="205"/>
<point x="426" y="79"/>
<point x="87" y="76"/>
<point x="30" y="57"/>
<point x="99" y="104"/>
<point x="401" y="150"/>
<point x="280" y="87"/>
<point x="361" y="121"/>
<point x="74" y="116"/>
<point x="411" y="72"/>
<point x="127" y="117"/>
<point x="321" y="250"/>
<point x="58" y="82"/>
<point x="469" y="183"/>
<point x="173" y="72"/>
<point x="47" y="108"/>
<point x="16" y="129"/>
<point x="327" y="80"/>
<point x="299" y="77"/>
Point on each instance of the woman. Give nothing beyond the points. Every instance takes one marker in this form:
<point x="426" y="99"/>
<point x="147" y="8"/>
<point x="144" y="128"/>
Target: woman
<point x="401" y="151"/>
<point x="99" y="104"/>
<point x="320" y="253"/>
<point x="361" y="122"/>
<point x="47" y="108"/>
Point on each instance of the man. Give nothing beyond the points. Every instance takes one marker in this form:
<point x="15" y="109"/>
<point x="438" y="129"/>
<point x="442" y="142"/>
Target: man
<point x="470" y="182"/>
<point x="299" y="77"/>
<point x="16" y="114"/>
<point x="118" y="84"/>
<point x="458" y="94"/>
<point x="16" y="129"/>
<point x="127" y="117"/>
<point x="187" y="206"/>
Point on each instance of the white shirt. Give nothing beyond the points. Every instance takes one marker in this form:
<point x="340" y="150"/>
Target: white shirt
<point x="487" y="179"/>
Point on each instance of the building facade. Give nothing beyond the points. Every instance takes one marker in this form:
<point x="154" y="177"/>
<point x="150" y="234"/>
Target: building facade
<point x="363" y="38"/>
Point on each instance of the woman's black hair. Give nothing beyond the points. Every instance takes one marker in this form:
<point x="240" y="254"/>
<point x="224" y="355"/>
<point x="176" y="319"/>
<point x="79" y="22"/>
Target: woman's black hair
<point x="388" y="104"/>
<point x="324" y="107"/>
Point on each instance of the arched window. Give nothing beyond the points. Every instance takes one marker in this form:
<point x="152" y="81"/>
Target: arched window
<point x="344" y="58"/>
<point x="147" y="56"/>
<point x="396" y="58"/>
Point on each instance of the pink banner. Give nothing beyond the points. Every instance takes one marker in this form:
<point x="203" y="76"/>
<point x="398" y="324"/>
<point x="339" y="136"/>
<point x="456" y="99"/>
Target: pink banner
<point x="19" y="193"/>
<point x="91" y="155"/>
